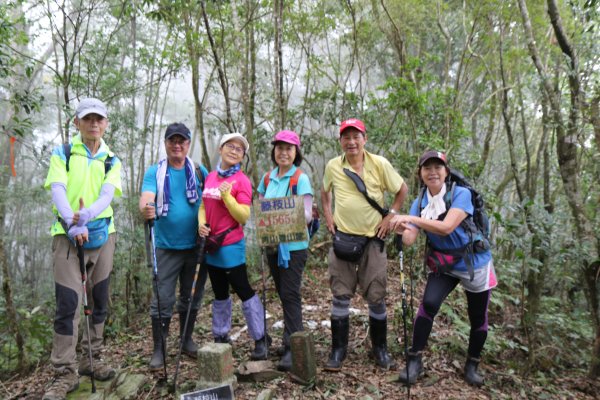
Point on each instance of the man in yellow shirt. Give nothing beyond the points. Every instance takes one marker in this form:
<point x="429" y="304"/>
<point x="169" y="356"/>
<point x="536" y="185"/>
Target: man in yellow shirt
<point x="354" y="218"/>
<point x="84" y="177"/>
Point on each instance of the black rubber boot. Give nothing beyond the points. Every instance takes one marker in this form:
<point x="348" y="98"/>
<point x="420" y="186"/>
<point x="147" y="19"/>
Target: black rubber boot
<point x="471" y="375"/>
<point x="157" y="360"/>
<point x="261" y="349"/>
<point x="378" y="328"/>
<point x="339" y="343"/>
<point x="189" y="347"/>
<point x="223" y="339"/>
<point x="414" y="368"/>
<point x="285" y="363"/>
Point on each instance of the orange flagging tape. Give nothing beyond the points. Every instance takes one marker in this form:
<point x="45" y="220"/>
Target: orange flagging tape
<point x="12" y="155"/>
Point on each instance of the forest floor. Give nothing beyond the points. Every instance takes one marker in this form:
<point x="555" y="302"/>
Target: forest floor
<point x="359" y="378"/>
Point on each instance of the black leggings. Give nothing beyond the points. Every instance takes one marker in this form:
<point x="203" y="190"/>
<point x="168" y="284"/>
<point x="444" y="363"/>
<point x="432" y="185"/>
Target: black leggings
<point x="438" y="288"/>
<point x="221" y="278"/>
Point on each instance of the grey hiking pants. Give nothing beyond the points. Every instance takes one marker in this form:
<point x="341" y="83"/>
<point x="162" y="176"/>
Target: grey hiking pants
<point x="173" y="266"/>
<point x="68" y="292"/>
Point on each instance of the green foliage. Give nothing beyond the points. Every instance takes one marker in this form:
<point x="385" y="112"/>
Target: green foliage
<point x="34" y="322"/>
<point x="335" y="67"/>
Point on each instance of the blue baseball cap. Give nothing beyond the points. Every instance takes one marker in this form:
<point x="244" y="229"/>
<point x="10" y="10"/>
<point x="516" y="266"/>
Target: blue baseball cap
<point x="178" y="128"/>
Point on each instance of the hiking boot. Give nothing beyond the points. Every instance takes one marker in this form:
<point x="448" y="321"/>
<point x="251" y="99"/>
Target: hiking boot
<point x="414" y="369"/>
<point x="339" y="343"/>
<point x="160" y="331"/>
<point x="261" y="349"/>
<point x="102" y="371"/>
<point x="281" y="350"/>
<point x="223" y="339"/>
<point x="378" y="330"/>
<point x="285" y="363"/>
<point x="64" y="382"/>
<point x="189" y="348"/>
<point x="471" y="375"/>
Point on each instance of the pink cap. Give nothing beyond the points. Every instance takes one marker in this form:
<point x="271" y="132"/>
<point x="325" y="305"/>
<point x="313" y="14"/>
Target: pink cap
<point x="290" y="137"/>
<point x="352" y="123"/>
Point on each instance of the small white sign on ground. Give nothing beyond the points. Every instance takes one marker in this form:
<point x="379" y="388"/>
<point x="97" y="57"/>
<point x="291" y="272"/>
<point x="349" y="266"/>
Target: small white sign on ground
<point x="224" y="392"/>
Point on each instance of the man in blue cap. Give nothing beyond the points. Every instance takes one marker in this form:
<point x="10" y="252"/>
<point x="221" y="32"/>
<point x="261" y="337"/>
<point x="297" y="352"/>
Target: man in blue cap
<point x="171" y="194"/>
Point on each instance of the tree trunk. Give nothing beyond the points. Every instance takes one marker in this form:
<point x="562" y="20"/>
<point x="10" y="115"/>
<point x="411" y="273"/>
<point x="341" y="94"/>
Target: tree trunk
<point x="221" y="71"/>
<point x="280" y="100"/>
<point x="566" y="146"/>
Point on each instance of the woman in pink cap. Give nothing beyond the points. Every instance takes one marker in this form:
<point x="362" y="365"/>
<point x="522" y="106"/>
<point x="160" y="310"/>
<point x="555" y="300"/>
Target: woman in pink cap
<point x="286" y="262"/>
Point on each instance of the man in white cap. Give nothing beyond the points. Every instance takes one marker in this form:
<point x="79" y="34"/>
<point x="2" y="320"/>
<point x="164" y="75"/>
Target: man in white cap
<point x="355" y="219"/>
<point x="84" y="177"/>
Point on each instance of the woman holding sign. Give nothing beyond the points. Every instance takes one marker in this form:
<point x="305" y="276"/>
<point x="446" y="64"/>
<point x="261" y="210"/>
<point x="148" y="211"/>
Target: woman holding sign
<point x="225" y="208"/>
<point x="286" y="262"/>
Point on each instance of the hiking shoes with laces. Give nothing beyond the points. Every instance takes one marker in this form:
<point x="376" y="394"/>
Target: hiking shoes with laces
<point x="102" y="371"/>
<point x="64" y="382"/>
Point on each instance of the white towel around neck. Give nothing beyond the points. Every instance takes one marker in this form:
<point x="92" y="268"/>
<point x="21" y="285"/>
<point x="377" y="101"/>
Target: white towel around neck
<point x="436" y="205"/>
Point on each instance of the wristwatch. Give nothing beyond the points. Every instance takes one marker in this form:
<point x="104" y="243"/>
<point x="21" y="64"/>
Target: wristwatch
<point x="392" y="211"/>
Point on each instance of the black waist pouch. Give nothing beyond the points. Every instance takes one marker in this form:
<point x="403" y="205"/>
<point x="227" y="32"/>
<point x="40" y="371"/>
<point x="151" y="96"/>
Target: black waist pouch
<point x="349" y="247"/>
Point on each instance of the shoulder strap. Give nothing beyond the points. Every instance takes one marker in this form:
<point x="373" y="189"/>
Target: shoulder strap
<point x="108" y="163"/>
<point x="362" y="188"/>
<point x="294" y="181"/>
<point x="200" y="176"/>
<point x="67" y="150"/>
<point x="449" y="196"/>
<point x="267" y="179"/>
<point x="420" y="199"/>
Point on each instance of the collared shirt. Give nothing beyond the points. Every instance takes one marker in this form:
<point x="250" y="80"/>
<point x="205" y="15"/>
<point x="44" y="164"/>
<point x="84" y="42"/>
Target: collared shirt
<point x="352" y="213"/>
<point x="85" y="177"/>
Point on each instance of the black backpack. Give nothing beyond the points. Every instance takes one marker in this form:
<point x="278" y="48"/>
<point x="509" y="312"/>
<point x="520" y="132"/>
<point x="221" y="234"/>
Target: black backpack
<point x="477" y="226"/>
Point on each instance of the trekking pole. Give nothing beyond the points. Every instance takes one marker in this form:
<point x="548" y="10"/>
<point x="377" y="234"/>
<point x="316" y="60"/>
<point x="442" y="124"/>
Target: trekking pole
<point x="404" y="306"/>
<point x="264" y="299"/>
<point x="150" y="223"/>
<point x="200" y="257"/>
<point x="86" y="311"/>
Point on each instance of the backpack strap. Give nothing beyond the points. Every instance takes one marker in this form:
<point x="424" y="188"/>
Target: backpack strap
<point x="267" y="179"/>
<point x="67" y="151"/>
<point x="449" y="194"/>
<point x="294" y="181"/>
<point x="200" y="176"/>
<point x="420" y="199"/>
<point x="467" y="225"/>
<point x="108" y="163"/>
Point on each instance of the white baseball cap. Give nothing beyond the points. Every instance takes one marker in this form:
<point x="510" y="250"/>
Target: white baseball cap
<point x="91" y="106"/>
<point x="236" y="135"/>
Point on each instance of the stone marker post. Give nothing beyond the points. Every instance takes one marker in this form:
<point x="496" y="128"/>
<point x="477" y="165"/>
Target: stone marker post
<point x="215" y="365"/>
<point x="304" y="366"/>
